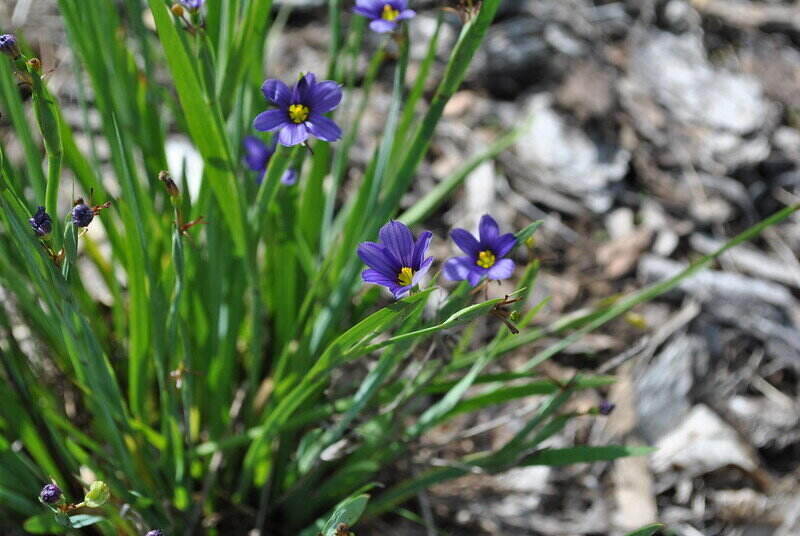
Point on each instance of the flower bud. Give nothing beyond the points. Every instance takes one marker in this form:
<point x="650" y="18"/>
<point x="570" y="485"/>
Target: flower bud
<point x="50" y="494"/>
<point x="606" y="407"/>
<point x="8" y="46"/>
<point x="82" y="215"/>
<point x="97" y="495"/>
<point x="35" y="64"/>
<point x="177" y="10"/>
<point x="41" y="223"/>
<point x="169" y="184"/>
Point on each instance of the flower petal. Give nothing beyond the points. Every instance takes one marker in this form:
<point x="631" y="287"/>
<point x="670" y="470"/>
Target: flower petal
<point x="303" y="88"/>
<point x="382" y="25"/>
<point x="406" y="14"/>
<point x="270" y="120"/>
<point x="503" y="244"/>
<point x="366" y="12"/>
<point x="487" y="231"/>
<point x="256" y="153"/>
<point x="400" y="292"/>
<point x="324" y="97"/>
<point x="502" y="269"/>
<point x="398" y="241"/>
<point x="374" y="276"/>
<point x="323" y="127"/>
<point x="420" y="247"/>
<point x="457" y="268"/>
<point x="277" y="92"/>
<point x="375" y="256"/>
<point x="423" y="269"/>
<point x="466" y="242"/>
<point x="475" y="275"/>
<point x="293" y="134"/>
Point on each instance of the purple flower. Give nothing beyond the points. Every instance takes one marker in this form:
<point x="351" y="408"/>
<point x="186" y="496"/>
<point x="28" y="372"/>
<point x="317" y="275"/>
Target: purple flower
<point x="8" y="45"/>
<point x="300" y="109"/>
<point x="385" y="14"/>
<point x="155" y="532"/>
<point x="192" y="4"/>
<point x="606" y="407"/>
<point x="82" y="215"/>
<point x="50" y="494"/>
<point x="397" y="263"/>
<point x="483" y="257"/>
<point x="41" y="223"/>
<point x="257" y="155"/>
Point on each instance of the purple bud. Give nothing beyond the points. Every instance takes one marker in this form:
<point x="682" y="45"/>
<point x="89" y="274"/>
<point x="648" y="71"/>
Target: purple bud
<point x="50" y="494"/>
<point x="155" y="532"/>
<point x="41" y="222"/>
<point x="606" y="407"/>
<point x="8" y="45"/>
<point x="82" y="215"/>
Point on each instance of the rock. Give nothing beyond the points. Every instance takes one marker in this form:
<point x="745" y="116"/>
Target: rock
<point x="767" y="421"/>
<point x="698" y="114"/>
<point x="563" y="157"/>
<point x="674" y="69"/>
<point x="661" y="392"/>
<point x="701" y="443"/>
<point x="715" y="284"/>
<point x="513" y="57"/>
<point x="588" y="91"/>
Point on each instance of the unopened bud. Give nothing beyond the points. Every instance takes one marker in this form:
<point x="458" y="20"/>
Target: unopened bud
<point x="169" y="184"/>
<point x="177" y="10"/>
<point x="35" y="64"/>
<point x="50" y="494"/>
<point x="606" y="407"/>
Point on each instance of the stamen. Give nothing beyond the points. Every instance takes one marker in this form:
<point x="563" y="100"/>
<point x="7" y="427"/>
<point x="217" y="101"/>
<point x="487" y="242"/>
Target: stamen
<point x="298" y="112"/>
<point x="485" y="259"/>
<point x="405" y="276"/>
<point x="389" y="13"/>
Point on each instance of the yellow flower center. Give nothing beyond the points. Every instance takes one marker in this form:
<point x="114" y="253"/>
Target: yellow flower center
<point x="485" y="259"/>
<point x="389" y="13"/>
<point x="298" y="112"/>
<point x="405" y="276"/>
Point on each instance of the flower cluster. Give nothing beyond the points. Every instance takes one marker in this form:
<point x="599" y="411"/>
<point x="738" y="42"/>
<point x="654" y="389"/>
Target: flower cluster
<point x="398" y="261"/>
<point x="300" y="109"/>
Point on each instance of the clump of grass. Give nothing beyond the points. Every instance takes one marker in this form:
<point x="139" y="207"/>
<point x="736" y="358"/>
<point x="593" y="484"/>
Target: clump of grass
<point x="200" y="391"/>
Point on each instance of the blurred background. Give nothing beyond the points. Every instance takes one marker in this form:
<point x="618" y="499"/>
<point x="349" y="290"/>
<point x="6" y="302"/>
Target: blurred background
<point x="652" y="131"/>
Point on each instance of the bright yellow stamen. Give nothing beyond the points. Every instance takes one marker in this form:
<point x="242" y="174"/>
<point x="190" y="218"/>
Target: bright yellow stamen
<point x="389" y="13"/>
<point x="485" y="259"/>
<point x="405" y="276"/>
<point x="298" y="112"/>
